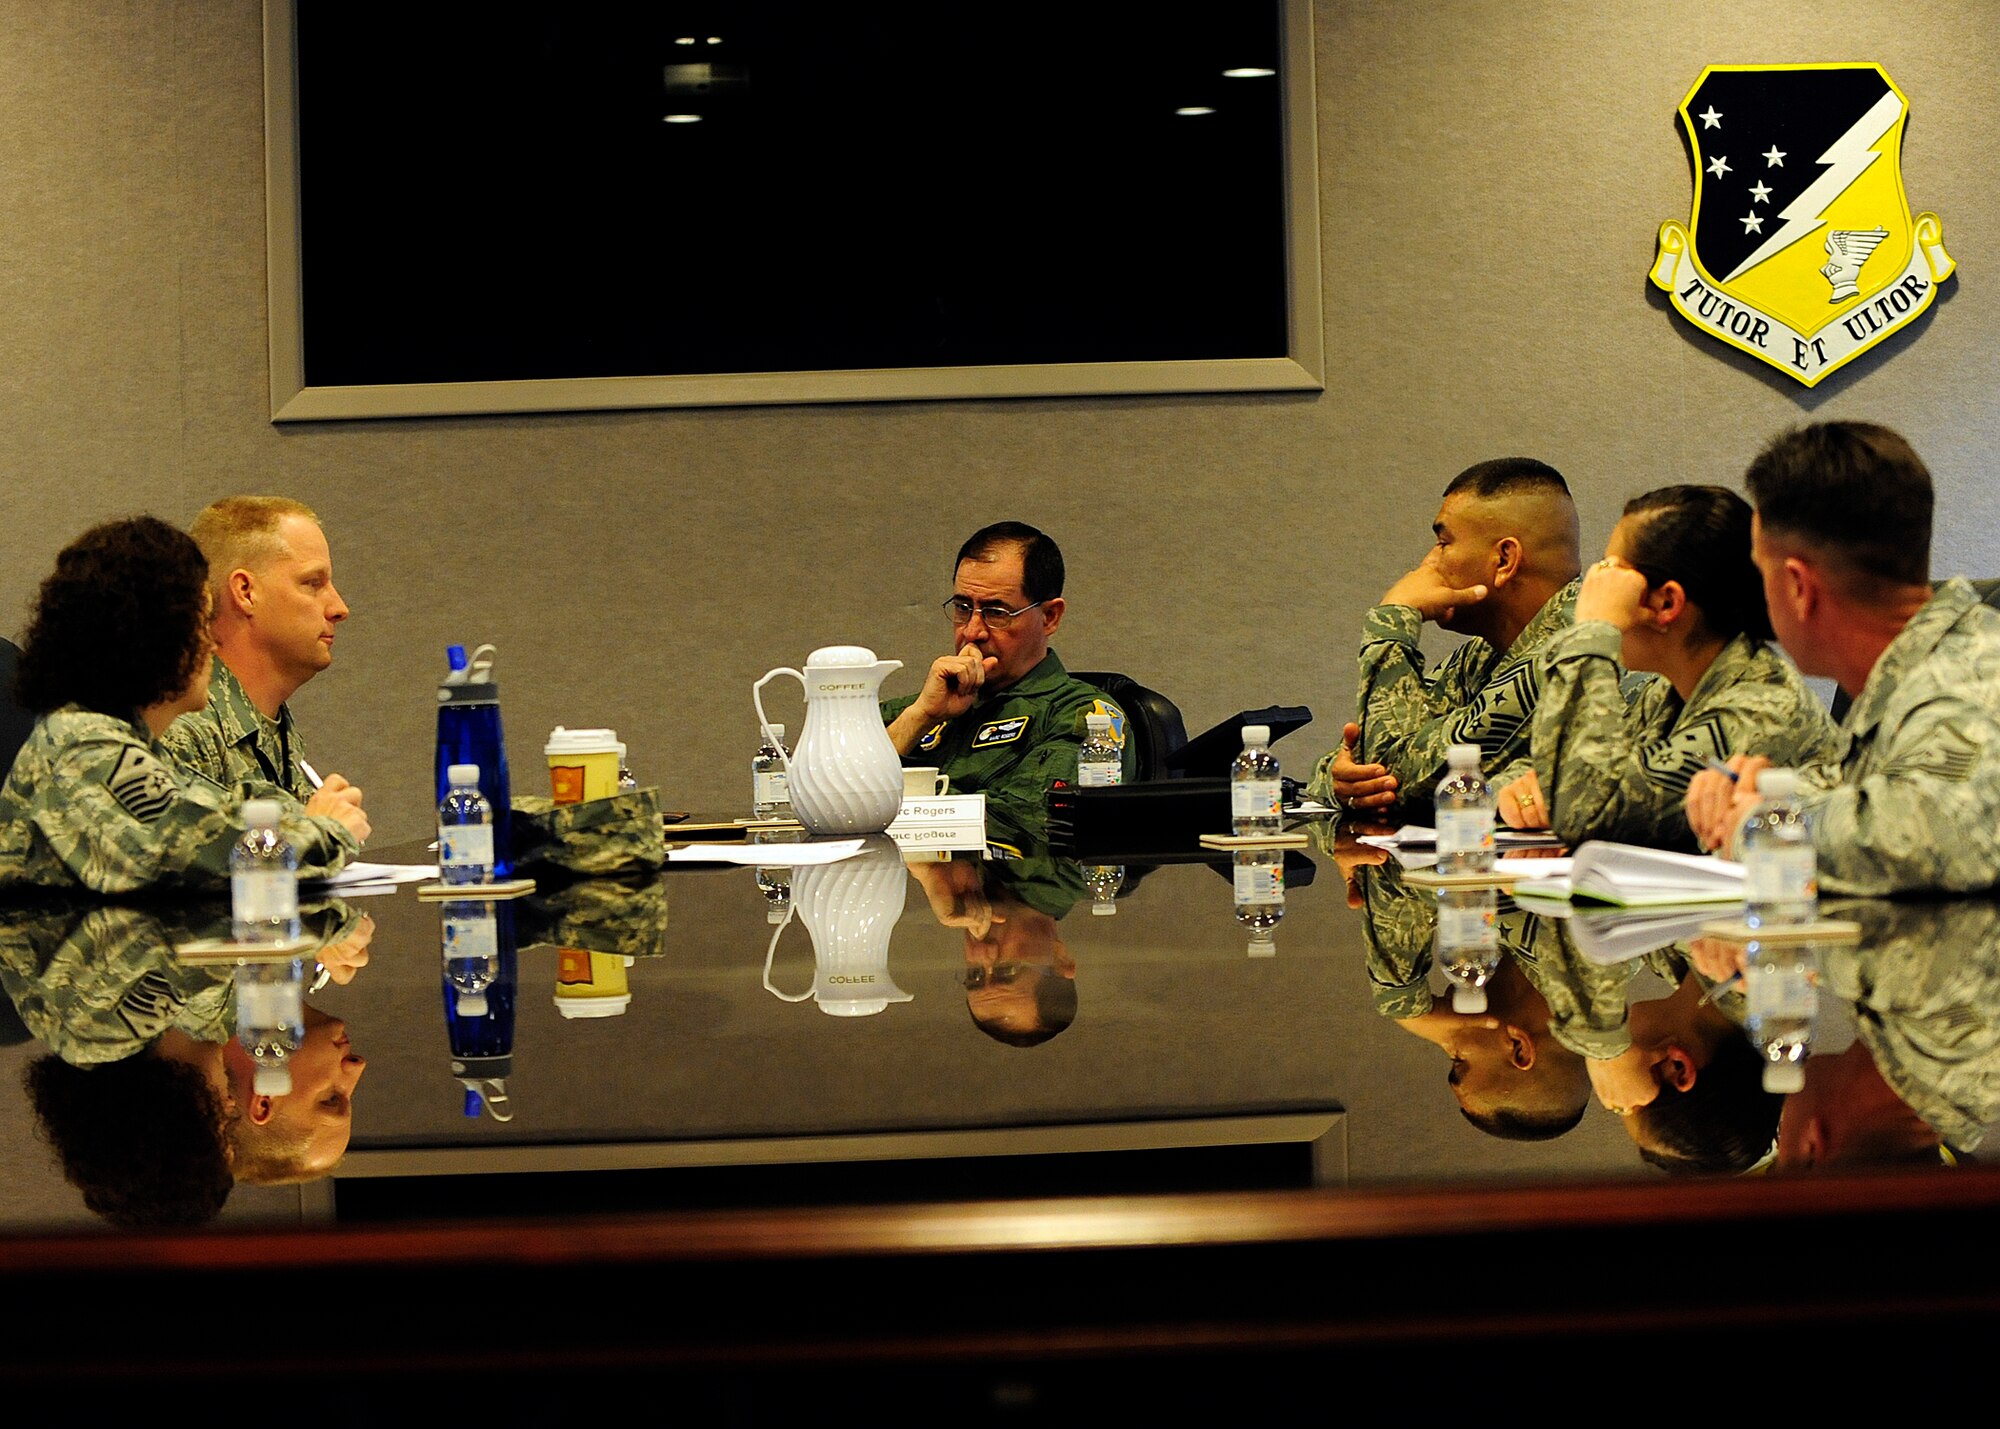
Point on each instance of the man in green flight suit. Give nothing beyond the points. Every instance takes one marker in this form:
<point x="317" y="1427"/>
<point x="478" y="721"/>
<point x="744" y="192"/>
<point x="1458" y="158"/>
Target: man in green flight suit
<point x="1000" y="715"/>
<point x="276" y="611"/>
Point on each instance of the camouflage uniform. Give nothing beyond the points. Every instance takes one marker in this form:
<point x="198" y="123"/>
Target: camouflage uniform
<point x="1910" y="800"/>
<point x="1398" y="929"/>
<point x="90" y="802"/>
<point x="1013" y="745"/>
<point x="1925" y="985"/>
<point x="597" y="838"/>
<point x="1479" y="695"/>
<point x="599" y="915"/>
<point x="1613" y="771"/>
<point x="1590" y="1002"/>
<point x="237" y="746"/>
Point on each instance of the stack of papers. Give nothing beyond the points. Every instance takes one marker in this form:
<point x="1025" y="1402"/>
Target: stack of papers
<point x="1416" y="846"/>
<point x="1629" y="876"/>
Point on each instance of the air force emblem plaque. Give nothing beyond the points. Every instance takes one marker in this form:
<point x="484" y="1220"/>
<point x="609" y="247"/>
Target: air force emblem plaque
<point x="1801" y="249"/>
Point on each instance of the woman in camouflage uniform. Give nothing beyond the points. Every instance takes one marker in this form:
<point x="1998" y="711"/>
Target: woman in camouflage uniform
<point x="1675" y="594"/>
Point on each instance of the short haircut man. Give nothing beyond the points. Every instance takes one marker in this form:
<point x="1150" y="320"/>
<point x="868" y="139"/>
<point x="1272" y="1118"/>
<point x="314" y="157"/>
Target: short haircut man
<point x="1000" y="715"/>
<point x="1503" y="570"/>
<point x="1842" y="540"/>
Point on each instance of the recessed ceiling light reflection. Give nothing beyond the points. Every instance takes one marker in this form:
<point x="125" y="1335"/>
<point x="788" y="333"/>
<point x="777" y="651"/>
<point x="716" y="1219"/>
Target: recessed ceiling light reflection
<point x="680" y="119"/>
<point x="1248" y="72"/>
<point x="1195" y="109"/>
<point x="685" y="40"/>
<point x="715" y="39"/>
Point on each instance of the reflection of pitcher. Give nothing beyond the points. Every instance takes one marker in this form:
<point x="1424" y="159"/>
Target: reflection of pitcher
<point x="850" y="908"/>
<point x="844" y="776"/>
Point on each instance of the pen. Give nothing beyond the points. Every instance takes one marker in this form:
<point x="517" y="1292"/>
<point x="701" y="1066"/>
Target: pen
<point x="1723" y="769"/>
<point x="1719" y="989"/>
<point x="313" y="774"/>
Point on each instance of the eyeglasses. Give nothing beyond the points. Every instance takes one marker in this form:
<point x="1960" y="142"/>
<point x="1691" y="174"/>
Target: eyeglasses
<point x="999" y="975"/>
<point x="995" y="615"/>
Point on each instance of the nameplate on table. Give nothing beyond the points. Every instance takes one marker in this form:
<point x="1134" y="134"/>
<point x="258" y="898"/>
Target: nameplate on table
<point x="941" y="821"/>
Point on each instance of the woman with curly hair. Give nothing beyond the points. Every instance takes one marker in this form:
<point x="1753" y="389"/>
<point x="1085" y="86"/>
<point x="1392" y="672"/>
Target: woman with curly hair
<point x="118" y="645"/>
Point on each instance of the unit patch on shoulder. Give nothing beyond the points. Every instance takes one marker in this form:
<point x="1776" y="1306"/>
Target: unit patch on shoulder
<point x="930" y="737"/>
<point x="142" y="785"/>
<point x="1000" y="731"/>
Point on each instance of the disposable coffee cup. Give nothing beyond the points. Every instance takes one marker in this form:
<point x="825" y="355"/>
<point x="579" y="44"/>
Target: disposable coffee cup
<point x="583" y="764"/>
<point x="923" y="782"/>
<point x="591" y="984"/>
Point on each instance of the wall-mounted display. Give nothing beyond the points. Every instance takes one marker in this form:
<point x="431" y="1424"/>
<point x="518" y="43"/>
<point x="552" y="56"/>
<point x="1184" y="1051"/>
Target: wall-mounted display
<point x="1801" y="249"/>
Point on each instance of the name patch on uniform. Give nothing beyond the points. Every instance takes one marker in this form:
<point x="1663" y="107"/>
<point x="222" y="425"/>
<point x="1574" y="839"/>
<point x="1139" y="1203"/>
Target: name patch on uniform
<point x="142" y="785"/>
<point x="1000" y="731"/>
<point x="930" y="737"/>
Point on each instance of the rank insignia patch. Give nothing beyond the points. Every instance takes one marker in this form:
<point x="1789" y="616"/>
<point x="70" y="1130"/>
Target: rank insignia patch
<point x="1801" y="249"/>
<point x="1000" y="731"/>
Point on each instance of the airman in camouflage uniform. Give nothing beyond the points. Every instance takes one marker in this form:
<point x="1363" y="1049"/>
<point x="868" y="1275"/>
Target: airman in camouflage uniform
<point x="91" y="802"/>
<point x="238" y="746"/>
<point x="1610" y="770"/>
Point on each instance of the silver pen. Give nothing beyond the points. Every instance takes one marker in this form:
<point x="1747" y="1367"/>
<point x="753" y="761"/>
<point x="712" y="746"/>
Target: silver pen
<point x="311" y="773"/>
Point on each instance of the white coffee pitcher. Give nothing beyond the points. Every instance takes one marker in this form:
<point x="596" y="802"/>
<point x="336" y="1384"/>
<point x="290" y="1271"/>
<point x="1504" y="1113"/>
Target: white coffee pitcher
<point x="843" y="774"/>
<point x="850" y="908"/>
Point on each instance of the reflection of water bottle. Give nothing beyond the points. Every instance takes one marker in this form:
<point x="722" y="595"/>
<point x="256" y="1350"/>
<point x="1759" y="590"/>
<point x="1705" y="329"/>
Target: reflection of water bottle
<point x="271" y="1020"/>
<point x="770" y="796"/>
<point x="1464" y="811"/>
<point x="465" y="829"/>
<point x="1260" y="895"/>
<point x="1780" y="871"/>
<point x="469" y="733"/>
<point x="471" y="947"/>
<point x="775" y="881"/>
<point x="263" y="879"/>
<point x="1103" y="880"/>
<point x="1468" y="943"/>
<point x="480" y="1031"/>
<point x="1254" y="793"/>
<point x="1779" y="987"/>
<point x="1097" y="763"/>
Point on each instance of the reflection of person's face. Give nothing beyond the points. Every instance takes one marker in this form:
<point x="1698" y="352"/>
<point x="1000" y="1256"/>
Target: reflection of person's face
<point x="297" y="605"/>
<point x="1004" y="967"/>
<point x="320" y="1107"/>
<point x="1021" y="646"/>
<point x="1487" y="1059"/>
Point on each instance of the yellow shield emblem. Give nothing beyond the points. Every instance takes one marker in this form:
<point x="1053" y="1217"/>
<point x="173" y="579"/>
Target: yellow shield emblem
<point x="1801" y="249"/>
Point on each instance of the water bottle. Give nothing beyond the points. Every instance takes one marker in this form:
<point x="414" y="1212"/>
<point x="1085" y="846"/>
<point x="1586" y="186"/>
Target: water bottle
<point x="263" y="879"/>
<point x="465" y="828"/>
<point x="774" y="881"/>
<point x="1260" y="894"/>
<point x="1468" y="943"/>
<point x="470" y="940"/>
<point x="1254" y="793"/>
<point x="1102" y="881"/>
<point x="271" y="1020"/>
<point x="1098" y="764"/>
<point x="1464" y="806"/>
<point x="480" y="1031"/>
<point x="1779" y="986"/>
<point x="469" y="732"/>
<point x="770" y="796"/>
<point x="1780" y="870"/>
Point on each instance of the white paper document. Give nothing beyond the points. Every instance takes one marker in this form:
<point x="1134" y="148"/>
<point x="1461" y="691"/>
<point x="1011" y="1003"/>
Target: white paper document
<point x="385" y="875"/>
<point x="1417" y="837"/>
<point x="1629" y="876"/>
<point x="798" y="855"/>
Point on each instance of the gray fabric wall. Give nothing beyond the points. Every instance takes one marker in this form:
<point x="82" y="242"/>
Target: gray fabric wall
<point x="1492" y="175"/>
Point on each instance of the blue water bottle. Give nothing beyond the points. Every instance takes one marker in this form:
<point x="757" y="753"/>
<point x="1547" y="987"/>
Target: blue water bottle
<point x="469" y="733"/>
<point x="480" y="979"/>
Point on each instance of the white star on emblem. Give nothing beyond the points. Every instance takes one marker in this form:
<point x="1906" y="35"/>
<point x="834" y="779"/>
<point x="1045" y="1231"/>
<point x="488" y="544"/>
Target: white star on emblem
<point x="1760" y="193"/>
<point x="1719" y="165"/>
<point x="1710" y="119"/>
<point x="1774" y="158"/>
<point x="1753" y="222"/>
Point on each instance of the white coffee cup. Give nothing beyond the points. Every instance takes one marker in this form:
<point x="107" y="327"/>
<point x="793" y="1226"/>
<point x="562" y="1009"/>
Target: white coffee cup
<point x="923" y="782"/>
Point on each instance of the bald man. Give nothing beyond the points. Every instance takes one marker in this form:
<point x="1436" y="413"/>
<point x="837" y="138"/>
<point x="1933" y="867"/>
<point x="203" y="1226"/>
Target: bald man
<point x="1504" y="571"/>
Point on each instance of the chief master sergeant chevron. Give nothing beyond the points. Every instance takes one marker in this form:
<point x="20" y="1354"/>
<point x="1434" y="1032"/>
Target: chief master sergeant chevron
<point x="1001" y="715"/>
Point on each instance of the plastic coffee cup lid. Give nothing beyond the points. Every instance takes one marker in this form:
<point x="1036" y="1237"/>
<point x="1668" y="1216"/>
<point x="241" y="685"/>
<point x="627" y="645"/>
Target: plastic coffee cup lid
<point x="594" y="1006"/>
<point x="583" y="741"/>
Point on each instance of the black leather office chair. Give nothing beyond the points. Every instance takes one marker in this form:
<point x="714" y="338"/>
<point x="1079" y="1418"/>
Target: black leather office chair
<point x="1989" y="592"/>
<point x="1153" y="722"/>
<point x="15" y="722"/>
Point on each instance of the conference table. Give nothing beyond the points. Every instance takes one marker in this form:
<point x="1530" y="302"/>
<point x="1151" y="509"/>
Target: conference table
<point x="699" y="1073"/>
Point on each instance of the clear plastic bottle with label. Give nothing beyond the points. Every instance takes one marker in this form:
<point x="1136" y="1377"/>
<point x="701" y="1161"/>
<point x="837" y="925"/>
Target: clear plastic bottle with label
<point x="770" y="793"/>
<point x="1780" y="870"/>
<point x="465" y="829"/>
<point x="1468" y="943"/>
<point x="1103" y="880"/>
<point x="271" y="1020"/>
<point x="1255" y="791"/>
<point x="1260" y="896"/>
<point x="1464" y="805"/>
<point x="470" y="941"/>
<point x="1099" y="763"/>
<point x="263" y="879"/>
<point x="1781" y="993"/>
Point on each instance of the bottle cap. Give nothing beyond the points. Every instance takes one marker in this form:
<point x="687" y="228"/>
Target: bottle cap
<point x="1104" y="907"/>
<point x="472" y="1004"/>
<point x="272" y="1081"/>
<point x="1255" y="735"/>
<point x="1468" y="999"/>
<point x="1463" y="756"/>
<point x="1098" y="724"/>
<point x="1263" y="945"/>
<point x="778" y="733"/>
<point x="260" y="813"/>
<point x="1778" y="783"/>
<point x="459" y="774"/>
<point x="1784" y="1078"/>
